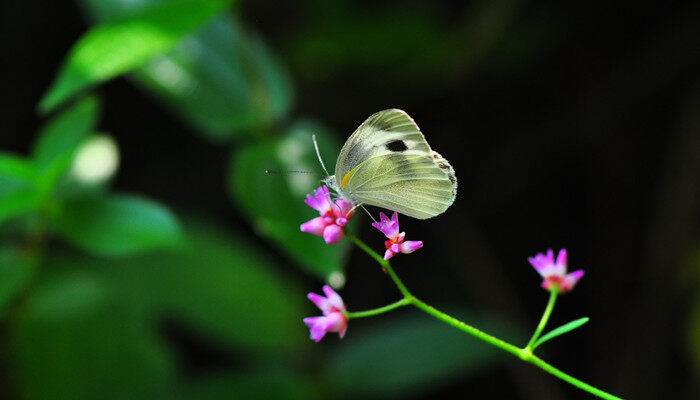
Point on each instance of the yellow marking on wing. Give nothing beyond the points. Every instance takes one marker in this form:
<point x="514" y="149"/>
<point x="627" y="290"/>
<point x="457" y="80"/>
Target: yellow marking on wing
<point x="346" y="178"/>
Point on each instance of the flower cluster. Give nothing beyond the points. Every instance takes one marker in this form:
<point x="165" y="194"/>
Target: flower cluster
<point x="333" y="319"/>
<point x="334" y="216"/>
<point x="396" y="243"/>
<point x="554" y="272"/>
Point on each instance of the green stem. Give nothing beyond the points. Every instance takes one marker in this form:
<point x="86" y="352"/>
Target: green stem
<point x="544" y="319"/>
<point x="524" y="354"/>
<point x="377" y="311"/>
<point x="385" y="264"/>
<point x="466" y="328"/>
<point x="570" y="379"/>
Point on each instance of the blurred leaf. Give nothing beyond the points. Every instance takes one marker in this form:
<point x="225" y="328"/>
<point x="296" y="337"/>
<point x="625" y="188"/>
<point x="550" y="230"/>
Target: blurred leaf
<point x="59" y="140"/>
<point x="275" y="202"/>
<point x="112" y="49"/>
<point x="16" y="173"/>
<point x="15" y="273"/>
<point x="261" y="385"/>
<point x="18" y="194"/>
<point x="405" y="355"/>
<point x="75" y="341"/>
<point x="18" y="203"/>
<point x="560" y="331"/>
<point x="222" y="79"/>
<point x="220" y="285"/>
<point x="117" y="225"/>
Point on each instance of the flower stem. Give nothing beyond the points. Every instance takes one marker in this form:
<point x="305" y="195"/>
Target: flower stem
<point x="377" y="311"/>
<point x="385" y="264"/>
<point x="466" y="327"/>
<point x="524" y="354"/>
<point x="543" y="321"/>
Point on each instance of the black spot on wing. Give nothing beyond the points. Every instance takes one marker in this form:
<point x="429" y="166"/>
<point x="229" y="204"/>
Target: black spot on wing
<point x="397" y="146"/>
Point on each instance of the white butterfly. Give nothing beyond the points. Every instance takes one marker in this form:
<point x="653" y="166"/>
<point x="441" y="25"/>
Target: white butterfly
<point x="387" y="163"/>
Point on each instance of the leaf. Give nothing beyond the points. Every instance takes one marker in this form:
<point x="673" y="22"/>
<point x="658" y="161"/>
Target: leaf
<point x="560" y="331"/>
<point x="59" y="140"/>
<point x="16" y="269"/>
<point x="18" y="203"/>
<point x="222" y="79"/>
<point x="112" y="49"/>
<point x="18" y="194"/>
<point x="275" y="203"/>
<point x="16" y="173"/>
<point x="402" y="356"/>
<point x="221" y="286"/>
<point x="74" y="340"/>
<point x="118" y="225"/>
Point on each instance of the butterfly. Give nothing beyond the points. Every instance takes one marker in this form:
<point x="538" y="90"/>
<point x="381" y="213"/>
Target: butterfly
<point x="387" y="163"/>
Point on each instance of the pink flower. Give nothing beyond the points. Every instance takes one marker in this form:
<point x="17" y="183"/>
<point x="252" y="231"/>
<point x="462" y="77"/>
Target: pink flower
<point x="395" y="244"/>
<point x="332" y="320"/>
<point x="554" y="273"/>
<point x="334" y="216"/>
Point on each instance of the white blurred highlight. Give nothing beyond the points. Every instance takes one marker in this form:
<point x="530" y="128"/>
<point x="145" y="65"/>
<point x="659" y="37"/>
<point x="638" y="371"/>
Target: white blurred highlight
<point x="292" y="153"/>
<point x="96" y="160"/>
<point x="336" y="280"/>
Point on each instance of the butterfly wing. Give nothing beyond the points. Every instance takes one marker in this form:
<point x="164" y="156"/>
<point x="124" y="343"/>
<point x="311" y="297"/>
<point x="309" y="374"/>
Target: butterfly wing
<point x="387" y="163"/>
<point x="392" y="128"/>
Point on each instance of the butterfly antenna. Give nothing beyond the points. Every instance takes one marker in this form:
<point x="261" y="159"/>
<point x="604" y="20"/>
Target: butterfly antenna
<point x="272" y="171"/>
<point x="318" y="154"/>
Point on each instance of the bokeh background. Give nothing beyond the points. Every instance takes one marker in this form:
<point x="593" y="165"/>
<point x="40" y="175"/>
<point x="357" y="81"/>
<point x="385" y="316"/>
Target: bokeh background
<point x="144" y="253"/>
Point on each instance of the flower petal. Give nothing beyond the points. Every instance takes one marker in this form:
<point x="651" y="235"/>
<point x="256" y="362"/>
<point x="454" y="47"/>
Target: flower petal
<point x="388" y="254"/>
<point x="314" y="227"/>
<point x="321" y="302"/>
<point x="387" y="226"/>
<point x="318" y="332"/>
<point x="335" y="322"/>
<point x="343" y="209"/>
<point x="334" y="298"/>
<point x="561" y="258"/>
<point x="320" y="200"/>
<point x="410" y="246"/>
<point x="311" y="321"/>
<point x="333" y="234"/>
<point x="570" y="280"/>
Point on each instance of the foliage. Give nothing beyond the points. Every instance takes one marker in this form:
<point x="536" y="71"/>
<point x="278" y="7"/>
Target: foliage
<point x="92" y="281"/>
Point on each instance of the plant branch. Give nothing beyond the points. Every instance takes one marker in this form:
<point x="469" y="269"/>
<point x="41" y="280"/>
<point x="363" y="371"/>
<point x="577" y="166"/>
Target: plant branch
<point x="524" y="354"/>
<point x="543" y="321"/>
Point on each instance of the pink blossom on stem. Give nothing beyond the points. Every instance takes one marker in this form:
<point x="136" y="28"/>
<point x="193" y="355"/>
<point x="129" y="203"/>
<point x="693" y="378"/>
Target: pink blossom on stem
<point x="396" y="243"/>
<point x="333" y="319"/>
<point x="334" y="216"/>
<point x="554" y="272"/>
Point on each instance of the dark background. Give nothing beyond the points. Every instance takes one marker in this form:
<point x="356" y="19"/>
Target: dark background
<point x="570" y="125"/>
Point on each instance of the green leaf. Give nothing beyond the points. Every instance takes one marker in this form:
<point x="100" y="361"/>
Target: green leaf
<point x="18" y="194"/>
<point x="222" y="79"/>
<point x="75" y="340"/>
<point x="221" y="286"/>
<point x="275" y="203"/>
<point x="560" y="331"/>
<point x="18" y="203"/>
<point x="402" y="356"/>
<point x="16" y="269"/>
<point x="59" y="140"/>
<point x="16" y="173"/>
<point x="112" y="49"/>
<point x="118" y="225"/>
